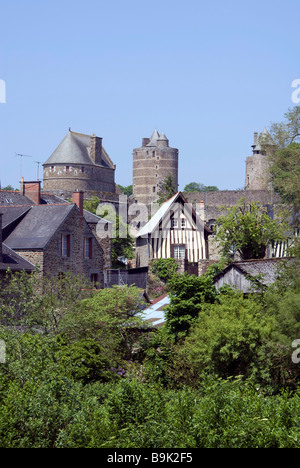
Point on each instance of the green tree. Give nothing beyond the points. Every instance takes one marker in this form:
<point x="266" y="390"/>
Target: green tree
<point x="8" y="187"/>
<point x="194" y="187"/>
<point x="285" y="161"/>
<point x="248" y="230"/>
<point x="164" y="268"/>
<point x="188" y="294"/>
<point x="198" y="187"/>
<point x="91" y="204"/>
<point x="167" y="189"/>
<point x="122" y="242"/>
<point x="229" y="338"/>
<point x="126" y="190"/>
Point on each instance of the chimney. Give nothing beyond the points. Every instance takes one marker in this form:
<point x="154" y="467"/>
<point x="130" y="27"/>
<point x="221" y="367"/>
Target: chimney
<point x="96" y="150"/>
<point x="201" y="210"/>
<point x="31" y="190"/>
<point x="145" y="141"/>
<point x="78" y="200"/>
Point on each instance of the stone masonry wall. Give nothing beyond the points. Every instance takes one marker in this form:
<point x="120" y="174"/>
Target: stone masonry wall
<point x="151" y="166"/>
<point x="76" y="263"/>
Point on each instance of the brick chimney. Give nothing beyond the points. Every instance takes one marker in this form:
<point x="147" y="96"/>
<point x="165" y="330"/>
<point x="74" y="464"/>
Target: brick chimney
<point x="31" y="190"/>
<point x="1" y="253"/>
<point x="96" y="150"/>
<point x="78" y="200"/>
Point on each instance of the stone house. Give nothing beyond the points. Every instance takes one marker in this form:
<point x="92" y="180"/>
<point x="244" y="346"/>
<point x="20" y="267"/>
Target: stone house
<point x="58" y="237"/>
<point x="10" y="260"/>
<point x="244" y="275"/>
<point x="175" y="231"/>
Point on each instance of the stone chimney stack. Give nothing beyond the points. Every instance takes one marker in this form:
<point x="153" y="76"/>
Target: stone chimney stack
<point x="96" y="150"/>
<point x="78" y="198"/>
<point x="145" y="142"/>
<point x="201" y="210"/>
<point x="31" y="190"/>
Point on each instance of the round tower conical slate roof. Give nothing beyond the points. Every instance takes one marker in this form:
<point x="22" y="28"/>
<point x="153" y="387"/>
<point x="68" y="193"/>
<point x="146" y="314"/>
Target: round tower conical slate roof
<point x="74" y="149"/>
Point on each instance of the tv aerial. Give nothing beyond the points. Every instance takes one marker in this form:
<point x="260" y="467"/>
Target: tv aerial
<point x="21" y="156"/>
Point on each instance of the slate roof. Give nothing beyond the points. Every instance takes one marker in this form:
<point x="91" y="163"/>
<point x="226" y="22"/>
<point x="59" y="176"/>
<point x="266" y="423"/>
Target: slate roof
<point x="38" y="226"/>
<point x="75" y="148"/>
<point x="12" y="214"/>
<point x="13" y="261"/>
<point x="20" y="205"/>
<point x="8" y="198"/>
<point x="267" y="268"/>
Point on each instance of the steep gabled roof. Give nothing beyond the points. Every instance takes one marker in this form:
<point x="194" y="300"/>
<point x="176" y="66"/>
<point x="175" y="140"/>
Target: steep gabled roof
<point x="12" y="214"/>
<point x="266" y="269"/>
<point x="38" y="226"/>
<point x="13" y="261"/>
<point x="160" y="215"/>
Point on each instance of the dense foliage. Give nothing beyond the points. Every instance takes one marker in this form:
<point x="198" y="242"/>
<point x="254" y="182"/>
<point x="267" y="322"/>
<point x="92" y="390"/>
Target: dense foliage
<point x="248" y="230"/>
<point x="84" y="370"/>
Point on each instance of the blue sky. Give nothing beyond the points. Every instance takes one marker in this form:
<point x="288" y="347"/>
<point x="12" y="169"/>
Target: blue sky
<point x="208" y="74"/>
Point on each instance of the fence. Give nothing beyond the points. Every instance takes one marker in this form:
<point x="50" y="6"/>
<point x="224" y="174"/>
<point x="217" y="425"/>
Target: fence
<point x="136" y="276"/>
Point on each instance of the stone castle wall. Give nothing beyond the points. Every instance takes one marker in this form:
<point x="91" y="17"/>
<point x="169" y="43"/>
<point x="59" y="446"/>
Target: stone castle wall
<point x="79" y="178"/>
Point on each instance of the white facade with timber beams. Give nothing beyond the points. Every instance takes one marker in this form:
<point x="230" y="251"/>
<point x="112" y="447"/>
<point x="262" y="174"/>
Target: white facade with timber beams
<point x="175" y="231"/>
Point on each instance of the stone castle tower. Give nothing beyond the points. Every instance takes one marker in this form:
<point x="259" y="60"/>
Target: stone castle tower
<point x="79" y="163"/>
<point x="257" y="166"/>
<point x="153" y="162"/>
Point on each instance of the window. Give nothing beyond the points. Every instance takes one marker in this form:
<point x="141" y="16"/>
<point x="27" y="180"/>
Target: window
<point x="67" y="168"/>
<point x="88" y="247"/>
<point x="94" y="279"/>
<point x="82" y="169"/>
<point x="183" y="223"/>
<point x="174" y="223"/>
<point x="154" y="189"/>
<point x="179" y="252"/>
<point x="66" y="245"/>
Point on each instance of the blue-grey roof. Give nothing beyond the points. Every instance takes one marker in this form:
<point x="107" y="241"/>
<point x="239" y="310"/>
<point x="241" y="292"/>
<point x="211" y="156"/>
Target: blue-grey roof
<point x="13" y="261"/>
<point x="75" y="148"/>
<point x="38" y="226"/>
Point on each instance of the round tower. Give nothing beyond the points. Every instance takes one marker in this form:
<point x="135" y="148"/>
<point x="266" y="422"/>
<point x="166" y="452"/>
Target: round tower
<point x="153" y="162"/>
<point x="257" y="165"/>
<point x="79" y="163"/>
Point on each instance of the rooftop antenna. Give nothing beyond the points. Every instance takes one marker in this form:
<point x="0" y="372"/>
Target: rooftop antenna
<point x="21" y="156"/>
<point x="38" y="169"/>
